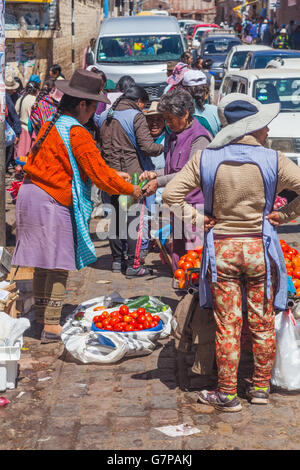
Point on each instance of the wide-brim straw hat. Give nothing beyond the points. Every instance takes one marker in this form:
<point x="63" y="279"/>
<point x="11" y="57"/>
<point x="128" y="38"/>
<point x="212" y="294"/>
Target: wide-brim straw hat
<point x="10" y="82"/>
<point x="152" y="111"/>
<point x="241" y="115"/>
<point x="83" y="84"/>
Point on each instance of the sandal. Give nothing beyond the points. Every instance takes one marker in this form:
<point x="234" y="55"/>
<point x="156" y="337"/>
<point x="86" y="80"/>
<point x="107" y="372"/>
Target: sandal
<point x="138" y="272"/>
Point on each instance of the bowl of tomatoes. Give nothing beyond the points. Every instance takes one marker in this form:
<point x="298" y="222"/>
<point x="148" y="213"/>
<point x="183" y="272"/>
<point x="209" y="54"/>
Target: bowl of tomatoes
<point x="125" y="320"/>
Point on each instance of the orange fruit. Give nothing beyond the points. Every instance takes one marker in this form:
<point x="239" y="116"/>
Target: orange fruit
<point x="192" y="254"/>
<point x="181" y="284"/>
<point x="296" y="283"/>
<point x="298" y="292"/>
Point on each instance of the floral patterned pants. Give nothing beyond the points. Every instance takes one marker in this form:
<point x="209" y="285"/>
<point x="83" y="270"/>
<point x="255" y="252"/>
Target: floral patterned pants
<point x="241" y="262"/>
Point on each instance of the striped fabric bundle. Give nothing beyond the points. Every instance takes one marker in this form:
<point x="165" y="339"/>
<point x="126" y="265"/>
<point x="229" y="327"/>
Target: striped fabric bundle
<point x="43" y="109"/>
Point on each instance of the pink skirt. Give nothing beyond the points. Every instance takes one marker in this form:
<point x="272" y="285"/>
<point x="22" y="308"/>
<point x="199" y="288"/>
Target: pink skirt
<point x="24" y="145"/>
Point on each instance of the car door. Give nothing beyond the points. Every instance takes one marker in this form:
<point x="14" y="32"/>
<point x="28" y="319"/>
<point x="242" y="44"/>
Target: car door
<point x="229" y="85"/>
<point x="243" y="86"/>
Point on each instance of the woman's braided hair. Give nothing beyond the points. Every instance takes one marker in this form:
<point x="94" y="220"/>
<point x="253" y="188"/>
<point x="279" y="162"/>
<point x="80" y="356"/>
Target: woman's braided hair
<point x="199" y="93"/>
<point x="134" y="93"/>
<point x="67" y="103"/>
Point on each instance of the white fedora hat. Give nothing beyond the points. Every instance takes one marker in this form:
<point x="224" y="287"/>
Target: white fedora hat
<point x="241" y="115"/>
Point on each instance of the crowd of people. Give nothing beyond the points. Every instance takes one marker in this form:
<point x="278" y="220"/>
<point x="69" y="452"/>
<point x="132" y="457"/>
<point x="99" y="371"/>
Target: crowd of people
<point x="266" y="31"/>
<point x="91" y="133"/>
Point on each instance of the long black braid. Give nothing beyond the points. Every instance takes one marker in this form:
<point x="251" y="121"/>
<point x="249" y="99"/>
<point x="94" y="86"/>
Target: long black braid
<point x="67" y="103"/>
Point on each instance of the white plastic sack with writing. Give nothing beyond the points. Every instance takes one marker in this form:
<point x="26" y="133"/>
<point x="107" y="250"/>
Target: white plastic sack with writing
<point x="286" y="369"/>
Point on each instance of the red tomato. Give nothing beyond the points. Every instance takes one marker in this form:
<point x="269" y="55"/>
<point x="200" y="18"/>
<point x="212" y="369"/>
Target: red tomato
<point x="180" y="263"/>
<point x="140" y="326"/>
<point x="289" y="271"/>
<point x="298" y="292"/>
<point x="97" y="318"/>
<point x="117" y="327"/>
<point x="149" y="317"/>
<point x="106" y="322"/>
<point x="109" y="328"/>
<point x="192" y="254"/>
<point x="133" y="323"/>
<point x="153" y="324"/>
<point x="104" y="314"/>
<point x="189" y="259"/>
<point x="156" y="318"/>
<point x="296" y="261"/>
<point x="141" y="311"/>
<point x="114" y="321"/>
<point x="147" y="324"/>
<point x="296" y="283"/>
<point x="187" y="265"/>
<point x="181" y="285"/>
<point x="127" y="318"/>
<point x="195" y="277"/>
<point x="120" y="317"/>
<point x="179" y="274"/>
<point x="129" y="328"/>
<point x="133" y="315"/>
<point x="123" y="325"/>
<point x="99" y="325"/>
<point x="296" y="273"/>
<point x="124" y="310"/>
<point x="197" y="263"/>
<point x="141" y="318"/>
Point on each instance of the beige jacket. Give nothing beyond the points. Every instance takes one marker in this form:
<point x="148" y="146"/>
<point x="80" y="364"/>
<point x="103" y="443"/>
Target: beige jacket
<point x="239" y="197"/>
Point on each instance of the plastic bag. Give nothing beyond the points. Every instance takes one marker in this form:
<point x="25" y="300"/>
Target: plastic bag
<point x="286" y="369"/>
<point x="10" y="135"/>
<point x="11" y="329"/>
<point x="107" y="347"/>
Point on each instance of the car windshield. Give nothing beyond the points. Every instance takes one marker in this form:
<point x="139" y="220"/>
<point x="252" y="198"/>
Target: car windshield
<point x="285" y="91"/>
<point x="238" y="59"/>
<point x="219" y="46"/>
<point x="139" y="49"/>
<point x="260" y="61"/>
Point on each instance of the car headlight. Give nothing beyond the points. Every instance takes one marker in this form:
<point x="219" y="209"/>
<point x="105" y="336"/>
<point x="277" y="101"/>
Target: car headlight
<point x="282" y="145"/>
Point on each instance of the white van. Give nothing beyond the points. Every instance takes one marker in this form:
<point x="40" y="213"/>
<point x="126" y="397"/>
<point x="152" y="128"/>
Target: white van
<point x="237" y="56"/>
<point x="139" y="46"/>
<point x="270" y="86"/>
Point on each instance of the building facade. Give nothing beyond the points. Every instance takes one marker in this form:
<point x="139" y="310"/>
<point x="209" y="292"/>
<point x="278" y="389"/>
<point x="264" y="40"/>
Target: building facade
<point x="39" y="33"/>
<point x="202" y="10"/>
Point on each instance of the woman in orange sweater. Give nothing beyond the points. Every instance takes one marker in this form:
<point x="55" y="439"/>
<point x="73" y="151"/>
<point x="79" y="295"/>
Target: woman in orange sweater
<point x="54" y="207"/>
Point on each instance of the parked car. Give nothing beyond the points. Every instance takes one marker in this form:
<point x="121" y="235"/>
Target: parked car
<point x="139" y="46"/>
<point x="184" y="24"/>
<point x="191" y="30"/>
<point x="260" y="59"/>
<point x="270" y="86"/>
<point x="199" y="32"/>
<point x="216" y="46"/>
<point x="237" y="56"/>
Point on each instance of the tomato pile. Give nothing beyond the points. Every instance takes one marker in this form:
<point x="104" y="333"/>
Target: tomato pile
<point x="124" y="320"/>
<point x="191" y="259"/>
<point x="292" y="263"/>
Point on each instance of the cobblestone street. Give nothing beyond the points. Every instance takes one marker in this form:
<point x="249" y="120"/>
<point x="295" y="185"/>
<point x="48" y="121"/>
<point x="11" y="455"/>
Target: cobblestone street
<point x="61" y="404"/>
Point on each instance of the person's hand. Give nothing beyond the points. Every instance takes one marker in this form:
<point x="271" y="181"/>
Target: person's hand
<point x="274" y="218"/>
<point x="209" y="222"/>
<point x="137" y="192"/>
<point x="150" y="188"/>
<point x="148" y="175"/>
<point x="124" y="175"/>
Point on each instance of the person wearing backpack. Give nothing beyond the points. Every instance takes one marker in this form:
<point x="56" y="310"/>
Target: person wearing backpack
<point x="127" y="145"/>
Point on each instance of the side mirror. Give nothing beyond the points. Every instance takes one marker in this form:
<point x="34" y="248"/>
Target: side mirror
<point x="222" y="66"/>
